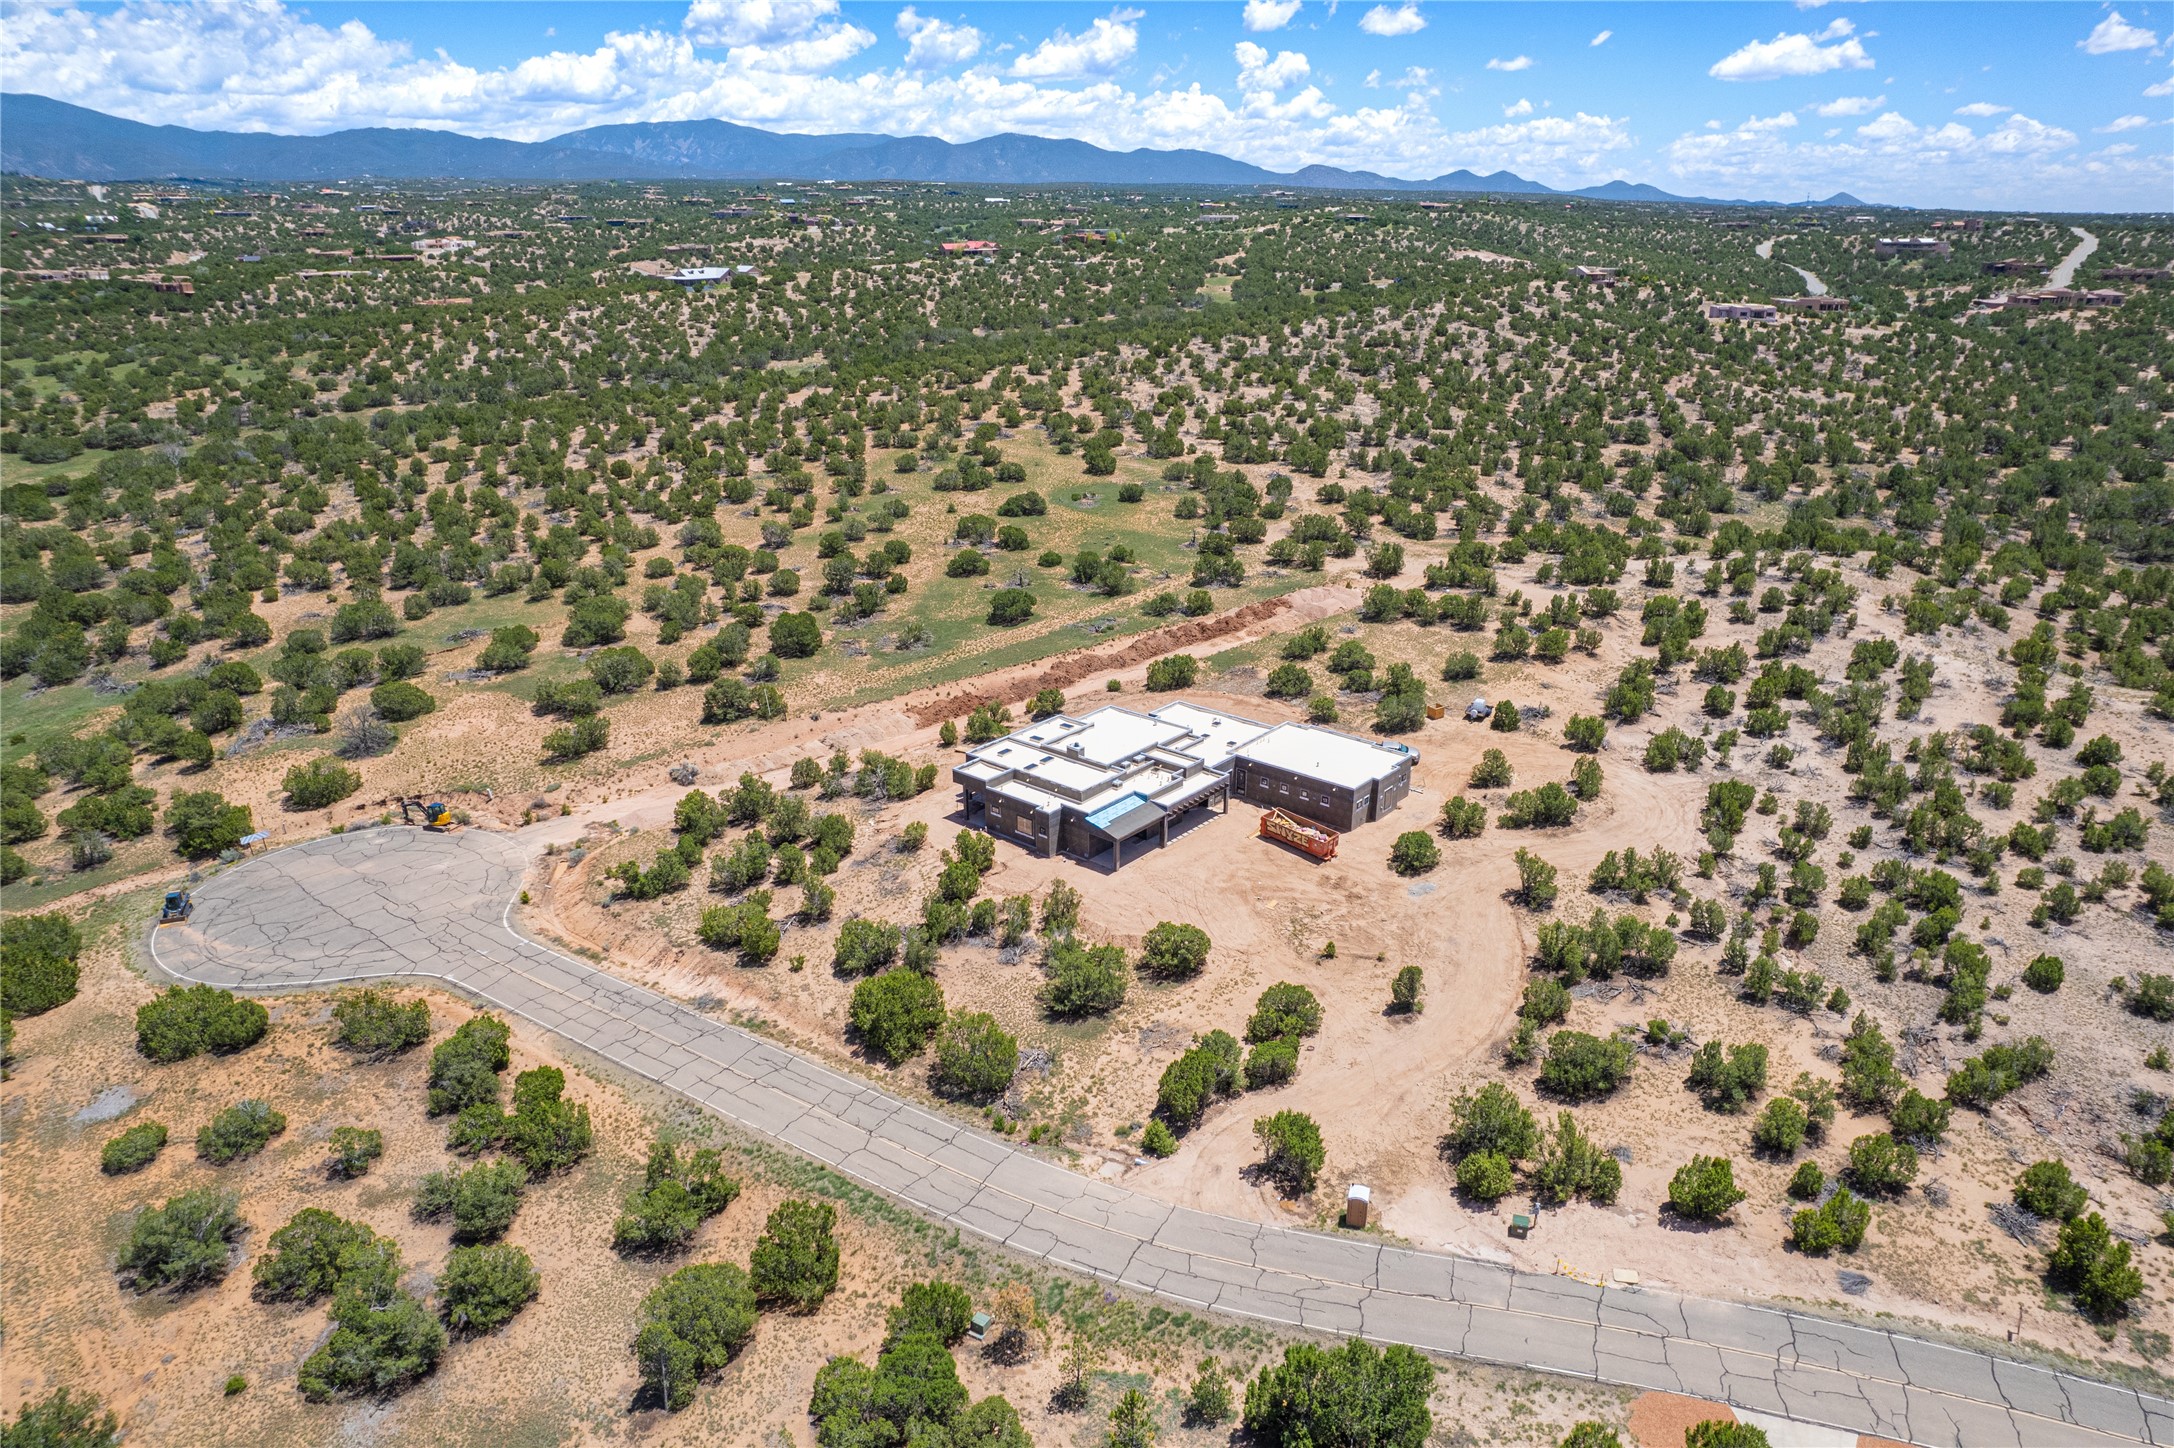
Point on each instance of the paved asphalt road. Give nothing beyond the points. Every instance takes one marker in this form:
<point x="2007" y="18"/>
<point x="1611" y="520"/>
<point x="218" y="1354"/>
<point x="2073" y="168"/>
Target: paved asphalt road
<point x="398" y="902"/>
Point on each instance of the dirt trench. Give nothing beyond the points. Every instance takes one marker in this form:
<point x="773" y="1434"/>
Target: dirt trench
<point x="1018" y="685"/>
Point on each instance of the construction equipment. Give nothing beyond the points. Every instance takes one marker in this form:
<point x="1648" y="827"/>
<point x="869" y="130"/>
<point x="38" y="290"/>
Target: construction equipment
<point x="1288" y="829"/>
<point x="178" y="907"/>
<point x="437" y="815"/>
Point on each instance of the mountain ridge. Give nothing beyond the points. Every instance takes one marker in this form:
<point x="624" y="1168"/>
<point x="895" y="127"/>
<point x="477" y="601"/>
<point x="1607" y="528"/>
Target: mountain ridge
<point x="41" y="136"/>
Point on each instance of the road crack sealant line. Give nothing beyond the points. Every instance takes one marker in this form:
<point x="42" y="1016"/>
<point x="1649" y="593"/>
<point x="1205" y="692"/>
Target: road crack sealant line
<point x="1771" y="1363"/>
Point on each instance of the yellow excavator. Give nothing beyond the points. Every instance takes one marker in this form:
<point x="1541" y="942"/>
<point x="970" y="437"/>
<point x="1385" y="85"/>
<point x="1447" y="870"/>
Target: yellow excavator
<point x="436" y="814"/>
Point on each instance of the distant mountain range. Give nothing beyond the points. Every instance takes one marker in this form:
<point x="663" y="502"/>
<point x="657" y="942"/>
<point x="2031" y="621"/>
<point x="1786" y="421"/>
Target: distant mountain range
<point x="44" y="137"/>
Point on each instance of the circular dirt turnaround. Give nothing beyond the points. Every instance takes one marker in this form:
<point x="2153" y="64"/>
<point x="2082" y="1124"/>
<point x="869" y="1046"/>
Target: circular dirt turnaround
<point x="392" y="902"/>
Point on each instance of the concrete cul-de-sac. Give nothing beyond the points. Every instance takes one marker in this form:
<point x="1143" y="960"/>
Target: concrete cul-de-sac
<point x="391" y="902"/>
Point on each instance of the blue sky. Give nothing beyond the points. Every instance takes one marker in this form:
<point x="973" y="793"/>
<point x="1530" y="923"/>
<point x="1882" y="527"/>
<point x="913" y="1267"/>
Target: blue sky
<point x="2064" y="106"/>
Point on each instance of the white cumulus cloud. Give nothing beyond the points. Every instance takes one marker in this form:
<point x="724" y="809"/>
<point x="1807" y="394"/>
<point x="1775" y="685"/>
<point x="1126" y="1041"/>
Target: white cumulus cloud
<point x="1514" y="63"/>
<point x="2163" y="88"/>
<point x="1602" y="38"/>
<point x="1106" y="44"/>
<point x="932" y="44"/>
<point x="1522" y="108"/>
<point x="1850" y="106"/>
<point x="1257" y="72"/>
<point x="1794" y="54"/>
<point x="2114" y="35"/>
<point x="1405" y="19"/>
<point x="2124" y="123"/>
<point x="1270" y="14"/>
<point x="1893" y="157"/>
<point x="754" y="22"/>
<point x="1983" y="110"/>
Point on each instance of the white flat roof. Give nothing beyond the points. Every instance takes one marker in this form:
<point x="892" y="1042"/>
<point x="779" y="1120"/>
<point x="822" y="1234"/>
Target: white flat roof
<point x="1323" y="754"/>
<point x="1220" y="735"/>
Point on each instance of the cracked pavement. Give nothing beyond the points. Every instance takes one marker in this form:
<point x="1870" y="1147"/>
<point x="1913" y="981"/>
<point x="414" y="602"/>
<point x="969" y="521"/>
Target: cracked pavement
<point x="394" y="902"/>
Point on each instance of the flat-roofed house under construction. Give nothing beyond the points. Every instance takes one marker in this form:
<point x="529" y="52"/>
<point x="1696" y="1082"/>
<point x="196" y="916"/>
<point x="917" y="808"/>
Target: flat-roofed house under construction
<point x="1105" y="779"/>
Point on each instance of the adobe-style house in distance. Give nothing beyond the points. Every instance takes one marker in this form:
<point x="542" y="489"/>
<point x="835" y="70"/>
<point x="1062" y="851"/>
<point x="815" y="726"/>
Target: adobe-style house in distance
<point x="1083" y="784"/>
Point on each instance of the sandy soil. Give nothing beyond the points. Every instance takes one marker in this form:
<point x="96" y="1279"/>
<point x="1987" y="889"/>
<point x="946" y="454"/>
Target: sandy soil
<point x="560" y="1372"/>
<point x="1381" y="1085"/>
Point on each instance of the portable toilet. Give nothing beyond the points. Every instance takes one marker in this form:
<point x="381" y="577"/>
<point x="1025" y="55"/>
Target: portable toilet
<point x="1358" y="1204"/>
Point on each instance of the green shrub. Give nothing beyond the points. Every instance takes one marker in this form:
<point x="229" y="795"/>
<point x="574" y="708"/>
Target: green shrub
<point x="1728" y="1080"/>
<point x="1463" y="819"/>
<point x="1271" y="1063"/>
<point x="321" y="782"/>
<point x="1179" y="671"/>
<point x="2089" y="1262"/>
<point x="243" y="1129"/>
<point x="682" y="1188"/>
<point x="1085" y="980"/>
<point x="134" y="1149"/>
<point x="183" y="1244"/>
<point x="1404" y="990"/>
<point x="63" y="1420"/>
<point x="482" y="1201"/>
<point x="1881" y="1165"/>
<point x="376" y="1024"/>
<point x="1486" y="1176"/>
<point x="1582" y="1067"/>
<point x="354" y="1148"/>
<point x="795" y="1260"/>
<point x="1350" y="1394"/>
<point x="1414" y="853"/>
<point x="1158" y="1140"/>
<point x="1208" y="1069"/>
<point x="1704" y="1189"/>
<point x="306" y="1259"/>
<point x="895" y="1013"/>
<point x="975" y="1057"/>
<point x="400" y="701"/>
<point x="940" y="1310"/>
<point x="481" y="1289"/>
<point x="37" y="963"/>
<point x="464" y="1067"/>
<point x="1781" y="1127"/>
<point x="2046" y="1189"/>
<point x="203" y="824"/>
<point x="1284" y="1009"/>
<point x="1807" y="1181"/>
<point x="1840" y="1221"/>
<point x="864" y="947"/>
<point x="1291" y="1149"/>
<point x="2045" y="974"/>
<point x="693" y="1323"/>
<point x="382" y="1339"/>
<point x="194" y="1020"/>
<point x="1174" y="952"/>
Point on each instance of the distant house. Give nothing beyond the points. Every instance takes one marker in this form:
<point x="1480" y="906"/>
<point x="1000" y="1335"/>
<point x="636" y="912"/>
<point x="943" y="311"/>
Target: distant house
<point x="2132" y="273"/>
<point x="1812" y="304"/>
<point x="968" y="248"/>
<point x="1967" y="223"/>
<point x="1360" y="217"/>
<point x="1911" y="246"/>
<point x="1599" y="276"/>
<point x="1092" y="235"/>
<point x="1734" y="225"/>
<point x="2048" y="299"/>
<point x="1741" y="312"/>
<point x="2010" y="266"/>
<point x="707" y="276"/>
<point x="727" y="213"/>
